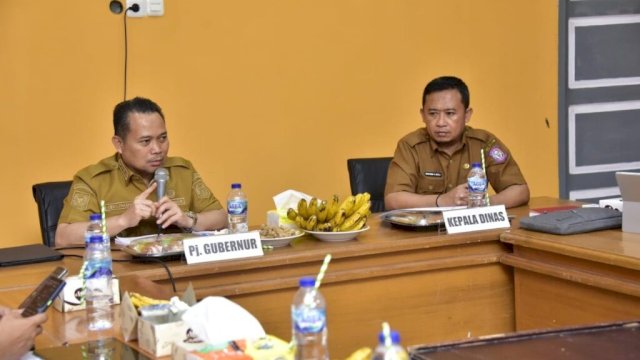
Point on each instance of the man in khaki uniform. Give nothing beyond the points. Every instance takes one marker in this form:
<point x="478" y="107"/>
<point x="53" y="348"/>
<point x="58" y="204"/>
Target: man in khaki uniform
<point x="431" y="164"/>
<point x="125" y="182"/>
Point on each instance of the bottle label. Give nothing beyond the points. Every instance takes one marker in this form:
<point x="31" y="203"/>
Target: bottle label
<point x="97" y="269"/>
<point x="477" y="184"/>
<point x="309" y="320"/>
<point x="237" y="207"/>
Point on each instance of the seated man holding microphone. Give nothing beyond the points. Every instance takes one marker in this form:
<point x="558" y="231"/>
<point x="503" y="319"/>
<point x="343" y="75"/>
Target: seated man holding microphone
<point x="430" y="165"/>
<point x="144" y="190"/>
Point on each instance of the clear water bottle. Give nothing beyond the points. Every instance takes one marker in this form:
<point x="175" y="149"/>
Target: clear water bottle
<point x="94" y="228"/>
<point x="237" y="209"/>
<point x="477" y="186"/>
<point x="393" y="351"/>
<point x="309" y="322"/>
<point x="97" y="278"/>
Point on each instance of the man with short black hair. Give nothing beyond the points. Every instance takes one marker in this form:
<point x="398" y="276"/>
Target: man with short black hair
<point x="431" y="164"/>
<point x="125" y="182"/>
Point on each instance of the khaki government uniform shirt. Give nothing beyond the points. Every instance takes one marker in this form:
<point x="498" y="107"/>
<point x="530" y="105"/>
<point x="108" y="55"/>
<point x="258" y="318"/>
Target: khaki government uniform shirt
<point x="418" y="166"/>
<point x="112" y="181"/>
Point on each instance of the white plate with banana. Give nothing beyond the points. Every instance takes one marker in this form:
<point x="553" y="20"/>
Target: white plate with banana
<point x="337" y="236"/>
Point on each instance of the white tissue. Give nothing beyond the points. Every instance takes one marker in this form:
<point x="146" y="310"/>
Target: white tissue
<point x="216" y="319"/>
<point x="289" y="199"/>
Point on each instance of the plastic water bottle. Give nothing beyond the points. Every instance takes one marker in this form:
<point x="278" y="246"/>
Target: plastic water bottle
<point x="237" y="209"/>
<point x="394" y="351"/>
<point x="309" y="322"/>
<point x="94" y="228"/>
<point x="97" y="278"/>
<point x="477" y="186"/>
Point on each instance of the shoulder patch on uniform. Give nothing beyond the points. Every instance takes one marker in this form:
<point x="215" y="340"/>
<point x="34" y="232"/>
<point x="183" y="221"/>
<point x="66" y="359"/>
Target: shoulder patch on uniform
<point x="201" y="190"/>
<point x="497" y="154"/>
<point x="80" y="200"/>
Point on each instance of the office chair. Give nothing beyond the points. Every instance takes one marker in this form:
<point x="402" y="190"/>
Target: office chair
<point x="49" y="197"/>
<point x="369" y="175"/>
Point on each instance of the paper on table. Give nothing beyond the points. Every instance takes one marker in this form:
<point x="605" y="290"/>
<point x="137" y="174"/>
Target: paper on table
<point x="125" y="241"/>
<point x="216" y="319"/>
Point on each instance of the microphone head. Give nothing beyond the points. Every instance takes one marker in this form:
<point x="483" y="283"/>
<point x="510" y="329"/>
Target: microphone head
<point x="161" y="174"/>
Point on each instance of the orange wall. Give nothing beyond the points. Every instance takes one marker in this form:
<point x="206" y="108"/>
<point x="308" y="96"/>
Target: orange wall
<point x="273" y="94"/>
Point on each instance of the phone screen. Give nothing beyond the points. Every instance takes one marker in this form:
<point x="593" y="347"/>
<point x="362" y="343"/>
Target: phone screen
<point x="42" y="297"/>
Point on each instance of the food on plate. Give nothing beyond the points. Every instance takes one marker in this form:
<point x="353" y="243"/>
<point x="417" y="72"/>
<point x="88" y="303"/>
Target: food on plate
<point x="164" y="244"/>
<point x="317" y="215"/>
<point x="275" y="232"/>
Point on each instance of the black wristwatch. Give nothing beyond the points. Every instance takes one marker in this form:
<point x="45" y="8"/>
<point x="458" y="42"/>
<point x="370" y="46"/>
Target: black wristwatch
<point x="193" y="216"/>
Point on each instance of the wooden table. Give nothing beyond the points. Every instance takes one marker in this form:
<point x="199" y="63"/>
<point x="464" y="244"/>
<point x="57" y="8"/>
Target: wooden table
<point x="428" y="285"/>
<point x="574" y="280"/>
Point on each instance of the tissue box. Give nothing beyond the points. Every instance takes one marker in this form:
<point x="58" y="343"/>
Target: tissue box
<point x="611" y="203"/>
<point x="69" y="298"/>
<point x="158" y="338"/>
<point x="154" y="337"/>
<point x="266" y="348"/>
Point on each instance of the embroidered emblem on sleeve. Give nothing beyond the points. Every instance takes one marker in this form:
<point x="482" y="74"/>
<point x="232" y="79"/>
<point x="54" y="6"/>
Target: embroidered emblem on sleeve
<point x="80" y="200"/>
<point x="201" y="190"/>
<point x="497" y="155"/>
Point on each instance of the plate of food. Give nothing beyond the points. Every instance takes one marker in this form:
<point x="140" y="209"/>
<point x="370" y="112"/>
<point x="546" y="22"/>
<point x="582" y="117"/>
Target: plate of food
<point x="278" y="236"/>
<point x="337" y="236"/>
<point x="157" y="245"/>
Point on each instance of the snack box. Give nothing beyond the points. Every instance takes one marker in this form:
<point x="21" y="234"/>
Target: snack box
<point x="71" y="296"/>
<point x="265" y="348"/>
<point x="155" y="335"/>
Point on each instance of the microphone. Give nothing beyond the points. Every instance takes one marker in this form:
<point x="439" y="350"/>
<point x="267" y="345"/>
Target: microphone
<point x="161" y="177"/>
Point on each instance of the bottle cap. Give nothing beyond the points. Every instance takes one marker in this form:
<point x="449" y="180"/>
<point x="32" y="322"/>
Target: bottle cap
<point x="95" y="239"/>
<point x="476" y="164"/>
<point x="236" y="186"/>
<point x="307" y="281"/>
<point x="94" y="217"/>
<point x="395" y="337"/>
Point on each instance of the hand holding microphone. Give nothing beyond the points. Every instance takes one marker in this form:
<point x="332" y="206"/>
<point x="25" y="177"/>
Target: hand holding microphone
<point x="161" y="177"/>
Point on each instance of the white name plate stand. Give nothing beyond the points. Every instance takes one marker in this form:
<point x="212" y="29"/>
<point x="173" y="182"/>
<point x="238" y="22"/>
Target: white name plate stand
<point x="474" y="219"/>
<point x="222" y="247"/>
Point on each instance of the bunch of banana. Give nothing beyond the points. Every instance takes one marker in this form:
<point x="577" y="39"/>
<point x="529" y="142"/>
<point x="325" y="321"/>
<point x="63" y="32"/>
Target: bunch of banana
<point x="141" y="301"/>
<point x="317" y="215"/>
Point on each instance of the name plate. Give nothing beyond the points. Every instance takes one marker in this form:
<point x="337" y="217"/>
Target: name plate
<point x="222" y="247"/>
<point x="474" y="219"/>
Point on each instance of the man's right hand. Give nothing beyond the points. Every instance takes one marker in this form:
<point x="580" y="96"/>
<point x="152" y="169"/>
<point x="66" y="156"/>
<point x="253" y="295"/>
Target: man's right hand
<point x="142" y="208"/>
<point x="455" y="197"/>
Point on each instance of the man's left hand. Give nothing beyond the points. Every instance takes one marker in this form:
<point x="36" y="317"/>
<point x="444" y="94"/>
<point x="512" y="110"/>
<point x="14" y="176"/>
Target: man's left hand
<point x="171" y="214"/>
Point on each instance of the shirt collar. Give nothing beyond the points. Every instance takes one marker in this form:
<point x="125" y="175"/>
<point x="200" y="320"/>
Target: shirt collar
<point x="434" y="145"/>
<point x="126" y="173"/>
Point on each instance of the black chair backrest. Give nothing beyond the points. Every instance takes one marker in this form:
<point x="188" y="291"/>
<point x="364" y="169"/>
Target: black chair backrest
<point x="369" y="175"/>
<point x="49" y="197"/>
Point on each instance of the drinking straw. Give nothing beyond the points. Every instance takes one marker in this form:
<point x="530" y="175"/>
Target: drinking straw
<point x="484" y="170"/>
<point x="323" y="269"/>
<point x="104" y="218"/>
<point x="386" y="331"/>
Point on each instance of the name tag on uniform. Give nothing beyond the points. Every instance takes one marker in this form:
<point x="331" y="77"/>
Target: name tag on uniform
<point x="474" y="219"/>
<point x="433" y="174"/>
<point x="222" y="247"/>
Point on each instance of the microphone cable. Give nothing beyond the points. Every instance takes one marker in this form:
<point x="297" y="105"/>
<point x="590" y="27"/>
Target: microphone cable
<point x="134" y="8"/>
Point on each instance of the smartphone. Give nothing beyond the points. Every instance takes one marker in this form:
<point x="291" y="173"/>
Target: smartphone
<point x="42" y="297"/>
